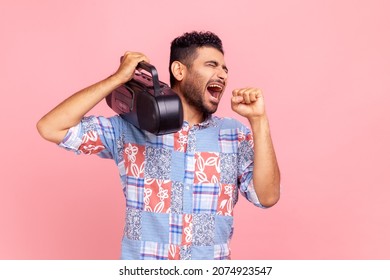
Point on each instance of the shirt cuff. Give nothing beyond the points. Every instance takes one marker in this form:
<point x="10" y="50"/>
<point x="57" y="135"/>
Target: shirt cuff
<point x="72" y="139"/>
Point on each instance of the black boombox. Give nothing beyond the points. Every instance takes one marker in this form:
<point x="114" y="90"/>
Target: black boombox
<point x="148" y="103"/>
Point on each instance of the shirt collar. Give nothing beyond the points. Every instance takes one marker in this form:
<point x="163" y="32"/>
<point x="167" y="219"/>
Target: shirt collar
<point x="210" y="121"/>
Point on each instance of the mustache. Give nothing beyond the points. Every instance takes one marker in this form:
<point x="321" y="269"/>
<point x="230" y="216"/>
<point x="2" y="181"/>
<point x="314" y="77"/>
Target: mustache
<point x="219" y="81"/>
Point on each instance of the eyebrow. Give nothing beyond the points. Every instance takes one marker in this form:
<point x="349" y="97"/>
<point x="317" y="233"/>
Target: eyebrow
<point x="224" y="67"/>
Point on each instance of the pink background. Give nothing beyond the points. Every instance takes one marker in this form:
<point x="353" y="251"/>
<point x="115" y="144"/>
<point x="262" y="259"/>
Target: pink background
<point x="323" y="66"/>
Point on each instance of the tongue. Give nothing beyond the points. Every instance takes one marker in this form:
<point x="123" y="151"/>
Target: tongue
<point x="213" y="91"/>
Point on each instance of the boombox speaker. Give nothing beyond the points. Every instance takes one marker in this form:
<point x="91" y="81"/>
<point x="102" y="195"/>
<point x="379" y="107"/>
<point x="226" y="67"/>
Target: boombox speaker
<point x="148" y="103"/>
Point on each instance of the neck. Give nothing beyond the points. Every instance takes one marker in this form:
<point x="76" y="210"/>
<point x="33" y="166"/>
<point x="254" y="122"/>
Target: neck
<point x="190" y="114"/>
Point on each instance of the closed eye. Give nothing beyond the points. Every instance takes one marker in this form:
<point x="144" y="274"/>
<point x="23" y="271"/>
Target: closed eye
<point x="212" y="64"/>
<point x="216" y="64"/>
<point x="226" y="69"/>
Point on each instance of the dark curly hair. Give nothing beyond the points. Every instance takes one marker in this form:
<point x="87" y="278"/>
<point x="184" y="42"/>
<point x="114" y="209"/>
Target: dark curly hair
<point x="184" y="48"/>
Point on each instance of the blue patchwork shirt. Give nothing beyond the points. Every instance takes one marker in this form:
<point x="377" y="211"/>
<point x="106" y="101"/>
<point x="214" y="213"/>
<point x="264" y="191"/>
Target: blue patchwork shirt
<point x="180" y="188"/>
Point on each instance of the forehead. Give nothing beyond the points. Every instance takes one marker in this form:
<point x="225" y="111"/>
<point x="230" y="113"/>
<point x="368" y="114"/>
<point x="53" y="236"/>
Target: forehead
<point x="209" y="54"/>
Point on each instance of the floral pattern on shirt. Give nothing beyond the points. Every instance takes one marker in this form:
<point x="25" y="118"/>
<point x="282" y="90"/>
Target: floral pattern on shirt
<point x="245" y="157"/>
<point x="174" y="211"/>
<point x="181" y="139"/>
<point x="185" y="252"/>
<point x="228" y="168"/>
<point x="174" y="252"/>
<point x="177" y="197"/>
<point x="133" y="224"/>
<point x="203" y="226"/>
<point x="157" y="193"/>
<point x="158" y="163"/>
<point x="134" y="157"/>
<point x="207" y="169"/>
<point x="188" y="233"/>
<point x="91" y="143"/>
<point x="225" y="200"/>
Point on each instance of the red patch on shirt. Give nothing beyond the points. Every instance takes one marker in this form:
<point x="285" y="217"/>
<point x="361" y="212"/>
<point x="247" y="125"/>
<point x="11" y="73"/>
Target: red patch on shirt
<point x="207" y="168"/>
<point x="134" y="157"/>
<point x="157" y="195"/>
<point x="91" y="143"/>
<point x="225" y="200"/>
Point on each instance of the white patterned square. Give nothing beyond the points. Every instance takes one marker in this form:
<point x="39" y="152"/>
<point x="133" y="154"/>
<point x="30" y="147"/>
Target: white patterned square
<point x="203" y="229"/>
<point x="228" y="168"/>
<point x="158" y="163"/>
<point x="185" y="252"/>
<point x="177" y="198"/>
<point x="245" y="155"/>
<point x="133" y="224"/>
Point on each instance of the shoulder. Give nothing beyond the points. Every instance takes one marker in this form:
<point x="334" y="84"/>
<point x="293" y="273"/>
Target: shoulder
<point x="114" y="125"/>
<point x="229" y="123"/>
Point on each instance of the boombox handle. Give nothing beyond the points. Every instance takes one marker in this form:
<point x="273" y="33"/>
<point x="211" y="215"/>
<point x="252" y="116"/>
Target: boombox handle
<point x="153" y="71"/>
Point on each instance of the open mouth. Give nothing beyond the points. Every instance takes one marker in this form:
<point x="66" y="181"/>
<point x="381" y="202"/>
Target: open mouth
<point x="215" y="90"/>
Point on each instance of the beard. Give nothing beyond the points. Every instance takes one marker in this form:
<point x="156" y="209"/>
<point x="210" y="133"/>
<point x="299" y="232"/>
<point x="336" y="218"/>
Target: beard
<point x="193" y="93"/>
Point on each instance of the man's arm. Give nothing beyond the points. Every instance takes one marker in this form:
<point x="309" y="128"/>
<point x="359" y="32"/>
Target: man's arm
<point x="249" y="102"/>
<point x="55" y="124"/>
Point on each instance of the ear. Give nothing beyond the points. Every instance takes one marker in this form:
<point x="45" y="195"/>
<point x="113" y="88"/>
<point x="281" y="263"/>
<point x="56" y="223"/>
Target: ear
<point x="178" y="70"/>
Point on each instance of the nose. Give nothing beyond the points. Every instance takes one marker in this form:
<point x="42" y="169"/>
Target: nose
<point x="222" y="74"/>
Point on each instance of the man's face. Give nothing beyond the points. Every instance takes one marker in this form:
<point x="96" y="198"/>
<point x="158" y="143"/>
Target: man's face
<point x="205" y="80"/>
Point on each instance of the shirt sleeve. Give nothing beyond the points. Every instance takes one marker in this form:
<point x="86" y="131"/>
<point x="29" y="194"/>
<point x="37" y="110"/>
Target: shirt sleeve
<point x="245" y="167"/>
<point x="93" y="135"/>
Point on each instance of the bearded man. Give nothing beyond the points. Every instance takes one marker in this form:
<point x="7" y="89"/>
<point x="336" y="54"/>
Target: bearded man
<point x="180" y="188"/>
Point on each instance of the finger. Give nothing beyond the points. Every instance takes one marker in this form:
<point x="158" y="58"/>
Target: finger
<point x="247" y="98"/>
<point x="258" y="92"/>
<point x="259" y="95"/>
<point x="134" y="56"/>
<point x="249" y="94"/>
<point x="237" y="99"/>
<point x="143" y="58"/>
<point x="235" y="92"/>
<point x="253" y="96"/>
<point x="241" y="93"/>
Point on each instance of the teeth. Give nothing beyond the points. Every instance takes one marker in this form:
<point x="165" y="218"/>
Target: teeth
<point x="216" y="86"/>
